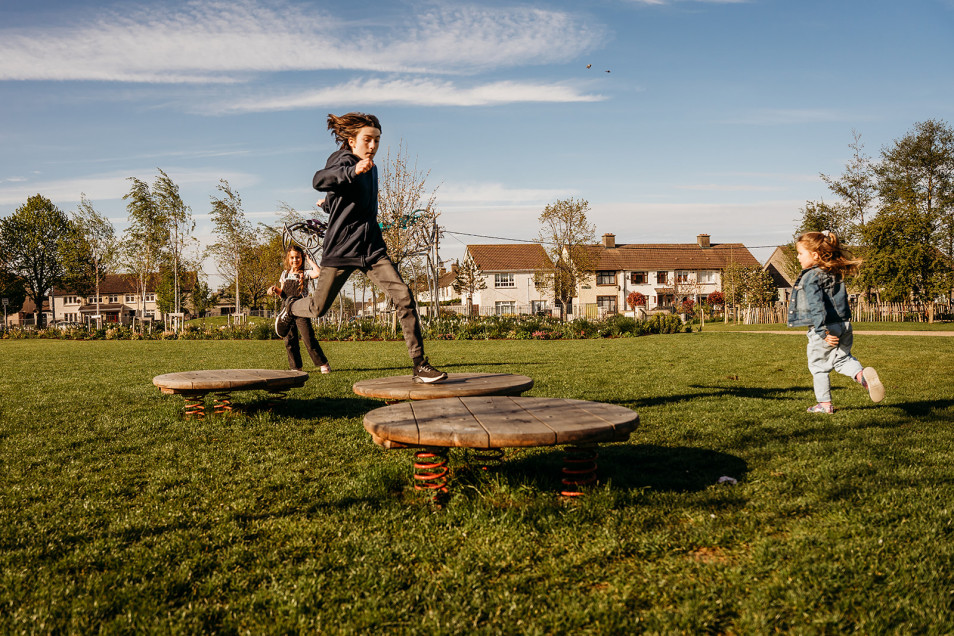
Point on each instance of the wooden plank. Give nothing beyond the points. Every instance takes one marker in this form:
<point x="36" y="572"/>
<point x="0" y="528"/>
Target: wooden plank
<point x="456" y="385"/>
<point x="508" y="423"/>
<point x="570" y="423"/>
<point x="448" y="422"/>
<point x="623" y="420"/>
<point x="395" y="423"/>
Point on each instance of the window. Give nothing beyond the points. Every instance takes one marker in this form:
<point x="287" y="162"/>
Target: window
<point x="130" y="298"/>
<point x="682" y="276"/>
<point x="538" y="307"/>
<point x="150" y="298"/>
<point x="70" y="300"/>
<point x="505" y="307"/>
<point x="606" y="303"/>
<point x="605" y="277"/>
<point x="662" y="278"/>
<point x="504" y="280"/>
<point x="114" y="299"/>
<point x="707" y="277"/>
<point x="639" y="278"/>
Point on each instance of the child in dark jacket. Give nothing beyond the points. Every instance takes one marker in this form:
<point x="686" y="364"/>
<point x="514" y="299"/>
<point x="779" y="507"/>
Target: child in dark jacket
<point x="820" y="301"/>
<point x="353" y="239"/>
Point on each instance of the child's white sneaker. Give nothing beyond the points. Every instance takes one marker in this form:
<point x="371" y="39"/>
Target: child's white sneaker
<point x="871" y="381"/>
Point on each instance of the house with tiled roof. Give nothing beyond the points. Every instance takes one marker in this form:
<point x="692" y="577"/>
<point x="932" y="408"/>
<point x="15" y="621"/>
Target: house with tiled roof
<point x="512" y="273"/>
<point x="119" y="301"/>
<point x="664" y="273"/>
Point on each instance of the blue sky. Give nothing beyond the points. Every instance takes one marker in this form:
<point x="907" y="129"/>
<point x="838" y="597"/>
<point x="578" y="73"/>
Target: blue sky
<point x="716" y="117"/>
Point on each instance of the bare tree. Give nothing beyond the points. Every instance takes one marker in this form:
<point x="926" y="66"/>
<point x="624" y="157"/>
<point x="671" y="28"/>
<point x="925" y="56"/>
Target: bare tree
<point x="100" y="237"/>
<point x="565" y="234"/>
<point x="407" y="212"/>
<point x="470" y="280"/>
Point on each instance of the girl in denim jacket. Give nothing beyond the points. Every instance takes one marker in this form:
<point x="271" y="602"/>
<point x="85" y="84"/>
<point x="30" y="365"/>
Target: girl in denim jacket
<point x="820" y="301"/>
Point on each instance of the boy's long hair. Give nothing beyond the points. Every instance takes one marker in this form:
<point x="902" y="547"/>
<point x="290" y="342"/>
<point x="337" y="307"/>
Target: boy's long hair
<point x="347" y="126"/>
<point x="301" y="272"/>
<point x="833" y="258"/>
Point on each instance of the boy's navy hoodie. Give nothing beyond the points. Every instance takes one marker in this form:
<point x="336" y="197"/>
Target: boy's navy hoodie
<point x="353" y="237"/>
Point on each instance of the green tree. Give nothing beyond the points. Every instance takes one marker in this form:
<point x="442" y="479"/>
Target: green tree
<point x="234" y="236"/>
<point x="12" y="288"/>
<point x="202" y="297"/>
<point x="144" y="237"/>
<point x="177" y="218"/>
<point x="34" y="241"/>
<point x="916" y="191"/>
<point x="565" y="234"/>
<point x="900" y="260"/>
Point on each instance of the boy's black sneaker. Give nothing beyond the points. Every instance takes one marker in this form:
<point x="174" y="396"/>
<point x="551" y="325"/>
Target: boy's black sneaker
<point x="424" y="372"/>
<point x="284" y="320"/>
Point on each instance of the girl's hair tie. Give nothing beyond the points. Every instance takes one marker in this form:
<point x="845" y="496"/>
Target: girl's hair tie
<point x="826" y="233"/>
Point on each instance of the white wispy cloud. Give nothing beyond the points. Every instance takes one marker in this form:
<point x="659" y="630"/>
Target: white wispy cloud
<point x="107" y="186"/>
<point x="421" y="92"/>
<point x="216" y="41"/>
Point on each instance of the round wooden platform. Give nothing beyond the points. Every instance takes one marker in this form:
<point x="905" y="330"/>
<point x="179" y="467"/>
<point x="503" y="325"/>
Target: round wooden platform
<point x="228" y="380"/>
<point x="403" y="387"/>
<point x="499" y="422"/>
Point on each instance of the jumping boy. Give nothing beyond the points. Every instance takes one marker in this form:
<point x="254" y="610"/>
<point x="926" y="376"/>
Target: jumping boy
<point x="353" y="239"/>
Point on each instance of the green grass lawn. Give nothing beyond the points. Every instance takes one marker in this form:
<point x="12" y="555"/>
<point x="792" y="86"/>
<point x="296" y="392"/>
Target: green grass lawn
<point x="118" y="516"/>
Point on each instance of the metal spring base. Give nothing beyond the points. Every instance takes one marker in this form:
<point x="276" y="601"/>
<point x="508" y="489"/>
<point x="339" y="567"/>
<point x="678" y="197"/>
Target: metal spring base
<point x="275" y="396"/>
<point x="488" y="458"/>
<point x="579" y="469"/>
<point x="223" y="403"/>
<point x="430" y="469"/>
<point x="194" y="407"/>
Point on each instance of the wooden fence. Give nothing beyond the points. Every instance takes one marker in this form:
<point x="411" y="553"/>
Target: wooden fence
<point x="860" y="311"/>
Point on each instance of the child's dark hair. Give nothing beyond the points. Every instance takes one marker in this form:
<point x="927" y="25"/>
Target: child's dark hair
<point x="347" y="126"/>
<point x="832" y="257"/>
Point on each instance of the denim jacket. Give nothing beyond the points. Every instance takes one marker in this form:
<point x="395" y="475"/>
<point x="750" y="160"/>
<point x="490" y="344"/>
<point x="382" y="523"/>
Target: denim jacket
<point x="819" y="299"/>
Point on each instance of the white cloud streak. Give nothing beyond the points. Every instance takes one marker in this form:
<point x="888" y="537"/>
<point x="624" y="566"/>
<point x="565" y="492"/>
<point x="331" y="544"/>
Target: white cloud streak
<point x="420" y="92"/>
<point x="215" y="41"/>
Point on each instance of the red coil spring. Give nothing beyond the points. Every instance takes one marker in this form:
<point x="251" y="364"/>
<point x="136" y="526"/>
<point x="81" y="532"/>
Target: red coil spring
<point x="579" y="469"/>
<point x="223" y="403"/>
<point x="488" y="457"/>
<point x="430" y="469"/>
<point x="194" y="406"/>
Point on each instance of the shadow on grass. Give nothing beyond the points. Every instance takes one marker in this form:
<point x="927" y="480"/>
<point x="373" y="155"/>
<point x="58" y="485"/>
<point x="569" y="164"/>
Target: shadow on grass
<point x="923" y="408"/>
<point x="315" y="408"/>
<point x="708" y="392"/>
<point x="628" y="467"/>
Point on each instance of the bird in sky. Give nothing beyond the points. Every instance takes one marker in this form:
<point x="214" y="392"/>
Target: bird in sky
<point x="589" y="66"/>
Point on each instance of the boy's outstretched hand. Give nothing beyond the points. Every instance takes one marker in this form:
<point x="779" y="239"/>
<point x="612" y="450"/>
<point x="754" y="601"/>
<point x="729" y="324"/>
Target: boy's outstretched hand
<point x="363" y="166"/>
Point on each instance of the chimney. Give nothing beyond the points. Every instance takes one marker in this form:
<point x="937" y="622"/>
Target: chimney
<point x="609" y="240"/>
<point x="703" y="241"/>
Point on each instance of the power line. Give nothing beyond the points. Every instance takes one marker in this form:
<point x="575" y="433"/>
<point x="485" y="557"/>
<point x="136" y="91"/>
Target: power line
<point x="504" y="238"/>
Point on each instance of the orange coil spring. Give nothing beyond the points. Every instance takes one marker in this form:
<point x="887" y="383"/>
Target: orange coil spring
<point x="275" y="396"/>
<point x="579" y="469"/>
<point x="488" y="457"/>
<point x="223" y="403"/>
<point x="194" y="406"/>
<point x="430" y="469"/>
